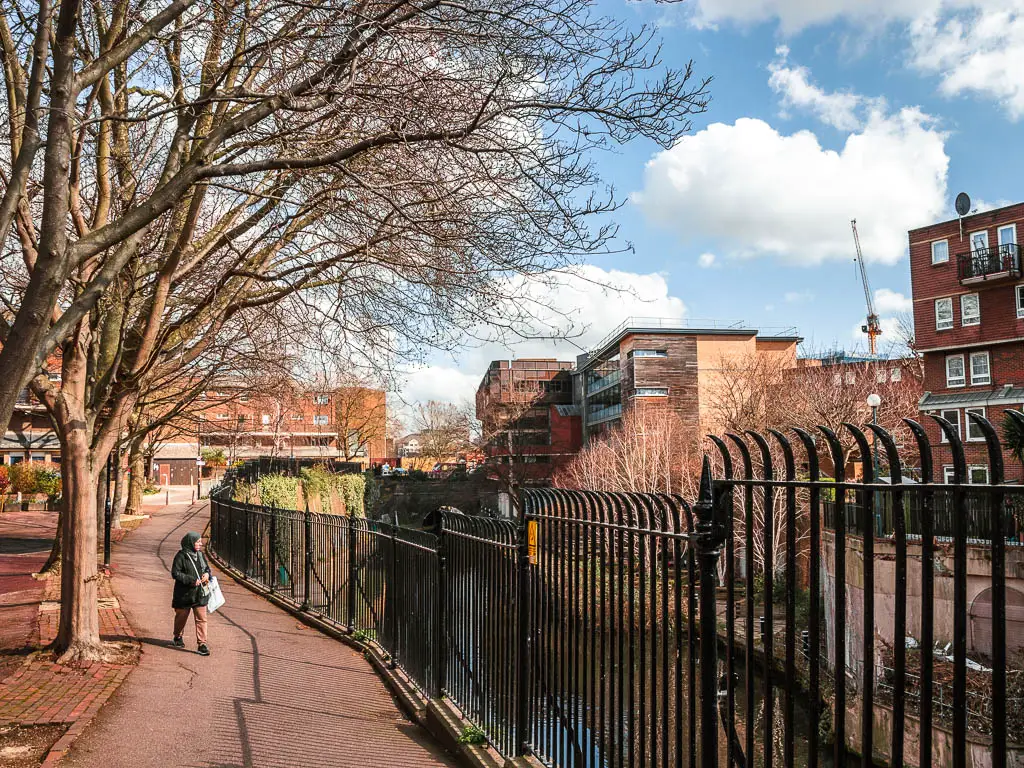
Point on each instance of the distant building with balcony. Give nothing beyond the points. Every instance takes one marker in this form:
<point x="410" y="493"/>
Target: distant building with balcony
<point x="669" y="363"/>
<point x="527" y="416"/>
<point x="969" y="326"/>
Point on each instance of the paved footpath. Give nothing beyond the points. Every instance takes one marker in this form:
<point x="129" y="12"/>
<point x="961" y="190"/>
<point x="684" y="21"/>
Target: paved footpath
<point x="275" y="693"/>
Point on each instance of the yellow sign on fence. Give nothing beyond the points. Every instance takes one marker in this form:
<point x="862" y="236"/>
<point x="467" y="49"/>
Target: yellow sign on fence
<point x="531" y="541"/>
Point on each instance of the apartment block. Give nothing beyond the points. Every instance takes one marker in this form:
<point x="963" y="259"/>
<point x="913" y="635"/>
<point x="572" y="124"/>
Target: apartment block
<point x="969" y="323"/>
<point x="668" y="363"/>
<point x="526" y="411"/>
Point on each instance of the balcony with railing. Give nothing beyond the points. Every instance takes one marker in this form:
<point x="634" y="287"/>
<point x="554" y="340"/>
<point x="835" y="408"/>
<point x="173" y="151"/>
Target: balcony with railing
<point x="604" y="382"/>
<point x="994" y="264"/>
<point x="604" y="414"/>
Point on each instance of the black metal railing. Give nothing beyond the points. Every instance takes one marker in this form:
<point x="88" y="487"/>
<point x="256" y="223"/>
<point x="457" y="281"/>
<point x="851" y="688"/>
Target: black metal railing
<point x="993" y="260"/>
<point x="623" y="629"/>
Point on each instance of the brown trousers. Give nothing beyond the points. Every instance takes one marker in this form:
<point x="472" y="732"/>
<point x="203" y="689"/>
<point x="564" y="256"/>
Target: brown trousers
<point x="181" y="619"/>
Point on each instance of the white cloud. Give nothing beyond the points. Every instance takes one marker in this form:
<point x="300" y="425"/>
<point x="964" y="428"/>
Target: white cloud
<point x="793" y="83"/>
<point x="794" y="15"/>
<point x="706" y="260"/>
<point x="973" y="46"/>
<point x="443" y="383"/>
<point x="979" y="50"/>
<point x="757" y="192"/>
<point x="888" y="302"/>
<point x="798" y="297"/>
<point x="584" y="305"/>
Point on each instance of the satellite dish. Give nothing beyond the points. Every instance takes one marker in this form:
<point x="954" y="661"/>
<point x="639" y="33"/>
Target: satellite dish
<point x="963" y="203"/>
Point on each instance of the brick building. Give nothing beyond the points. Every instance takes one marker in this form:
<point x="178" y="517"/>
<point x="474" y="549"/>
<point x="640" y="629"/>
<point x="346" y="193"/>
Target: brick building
<point x="969" y="324"/>
<point x="527" y="416"/>
<point x="667" y="363"/>
<point x="291" y="421"/>
<point x="29" y="435"/>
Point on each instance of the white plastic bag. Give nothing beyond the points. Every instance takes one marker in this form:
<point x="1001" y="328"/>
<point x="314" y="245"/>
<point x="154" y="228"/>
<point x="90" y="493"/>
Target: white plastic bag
<point x="216" y="596"/>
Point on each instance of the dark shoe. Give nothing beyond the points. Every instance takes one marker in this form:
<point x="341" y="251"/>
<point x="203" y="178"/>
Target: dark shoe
<point x="179" y="643"/>
<point x="203" y="650"/>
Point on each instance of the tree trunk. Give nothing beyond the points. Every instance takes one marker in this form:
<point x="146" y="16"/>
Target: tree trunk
<point x="137" y="468"/>
<point x="78" y="637"/>
<point x="115" y="508"/>
<point x="52" y="565"/>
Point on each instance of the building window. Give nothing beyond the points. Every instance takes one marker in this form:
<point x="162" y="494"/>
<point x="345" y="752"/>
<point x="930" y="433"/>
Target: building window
<point x="1020" y="301"/>
<point x="651" y="392"/>
<point x="837" y="379"/>
<point x="940" y="252"/>
<point x="222" y="416"/>
<point x="851" y="377"/>
<point x="974" y="432"/>
<point x="321" y="399"/>
<point x="296" y="417"/>
<point x="947" y="475"/>
<point x="980" y="371"/>
<point x="955" y="376"/>
<point x="265" y="419"/>
<point x="241" y="419"/>
<point x="1007" y="237"/>
<point x="943" y="314"/>
<point x="977" y="475"/>
<point x="970" y="309"/>
<point x="244" y="398"/>
<point x="649" y="353"/>
<point x="320" y="421"/>
<point x="897" y="375"/>
<point x="953" y="417"/>
<point x="880" y="376"/>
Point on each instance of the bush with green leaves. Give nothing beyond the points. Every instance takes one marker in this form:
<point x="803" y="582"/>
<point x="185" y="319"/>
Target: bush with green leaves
<point x="353" y="492"/>
<point x="214" y="457"/>
<point x="279" y="491"/>
<point x="30" y="479"/>
<point x="317" y="483"/>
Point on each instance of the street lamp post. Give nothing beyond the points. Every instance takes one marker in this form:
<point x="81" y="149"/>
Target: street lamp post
<point x="107" y="512"/>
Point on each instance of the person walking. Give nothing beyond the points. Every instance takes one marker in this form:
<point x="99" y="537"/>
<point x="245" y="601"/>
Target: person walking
<point x="191" y="575"/>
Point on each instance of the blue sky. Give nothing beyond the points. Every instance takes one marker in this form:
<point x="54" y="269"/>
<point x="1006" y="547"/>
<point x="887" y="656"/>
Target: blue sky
<point x="821" y="111"/>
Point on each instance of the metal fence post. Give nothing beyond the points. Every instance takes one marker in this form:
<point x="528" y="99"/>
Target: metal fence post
<point x="351" y="581"/>
<point x="522" y="671"/>
<point x="273" y="548"/>
<point x="710" y="535"/>
<point x="440" y="635"/>
<point x="307" y="571"/>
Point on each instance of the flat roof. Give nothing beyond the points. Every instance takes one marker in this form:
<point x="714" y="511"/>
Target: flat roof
<point x="685" y="327"/>
<point x="990" y="213"/>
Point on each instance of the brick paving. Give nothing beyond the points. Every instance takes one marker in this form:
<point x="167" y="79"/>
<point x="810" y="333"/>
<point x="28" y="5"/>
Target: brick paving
<point x="273" y="694"/>
<point x="34" y="690"/>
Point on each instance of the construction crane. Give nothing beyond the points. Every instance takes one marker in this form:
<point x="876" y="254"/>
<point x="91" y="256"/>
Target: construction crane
<point x="872" y="328"/>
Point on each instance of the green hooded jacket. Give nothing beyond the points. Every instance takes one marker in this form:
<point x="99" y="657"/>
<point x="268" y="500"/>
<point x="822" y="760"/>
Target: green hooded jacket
<point x="188" y="566"/>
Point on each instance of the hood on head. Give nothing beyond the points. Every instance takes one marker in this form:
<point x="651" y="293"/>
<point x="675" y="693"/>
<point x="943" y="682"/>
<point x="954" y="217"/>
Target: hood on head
<point x="188" y="542"/>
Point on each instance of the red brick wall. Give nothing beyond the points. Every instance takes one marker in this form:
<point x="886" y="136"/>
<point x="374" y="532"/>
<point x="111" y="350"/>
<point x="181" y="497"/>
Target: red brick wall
<point x="998" y="307"/>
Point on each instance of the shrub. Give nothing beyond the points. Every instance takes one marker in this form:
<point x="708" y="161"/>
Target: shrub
<point x="5" y="479"/>
<point x="317" y="482"/>
<point x="371" y="494"/>
<point x="23" y="478"/>
<point x="48" y="481"/>
<point x="214" y="457"/>
<point x="279" y="491"/>
<point x="418" y="474"/>
<point x="353" y="491"/>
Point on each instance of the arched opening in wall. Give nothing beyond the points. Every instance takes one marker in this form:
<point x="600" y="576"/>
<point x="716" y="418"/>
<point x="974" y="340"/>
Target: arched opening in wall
<point x="981" y="622"/>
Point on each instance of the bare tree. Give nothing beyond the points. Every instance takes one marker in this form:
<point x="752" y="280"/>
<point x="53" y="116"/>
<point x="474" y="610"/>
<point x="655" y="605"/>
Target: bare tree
<point x="395" y="172"/>
<point x="651" y="451"/>
<point x="360" y="413"/>
<point x="435" y="134"/>
<point x="443" y="429"/>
